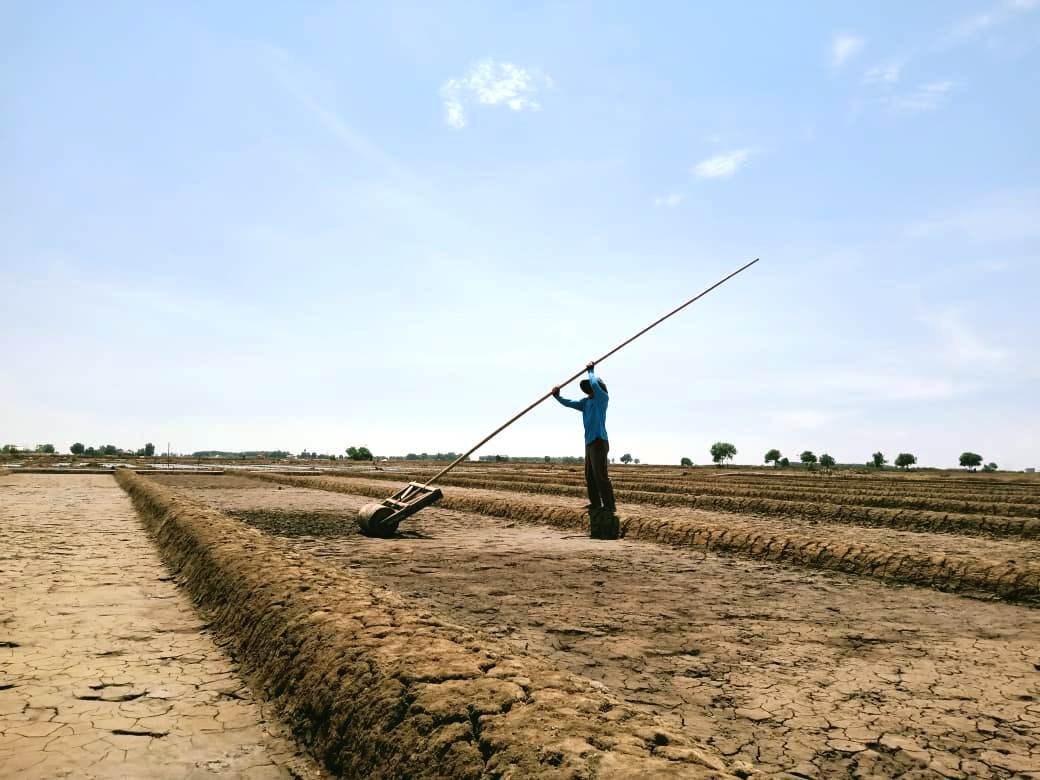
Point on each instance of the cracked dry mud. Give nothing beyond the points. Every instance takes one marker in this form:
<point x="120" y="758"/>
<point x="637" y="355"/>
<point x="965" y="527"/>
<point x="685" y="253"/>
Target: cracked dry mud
<point x="811" y="673"/>
<point x="1025" y="551"/>
<point x="105" y="670"/>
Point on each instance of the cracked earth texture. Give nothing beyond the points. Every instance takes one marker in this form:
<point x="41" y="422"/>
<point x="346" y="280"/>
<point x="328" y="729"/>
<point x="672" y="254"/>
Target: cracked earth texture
<point x="1004" y="567"/>
<point x="782" y="670"/>
<point x="835" y="508"/>
<point x="105" y="669"/>
<point x="836" y="492"/>
<point x="380" y="688"/>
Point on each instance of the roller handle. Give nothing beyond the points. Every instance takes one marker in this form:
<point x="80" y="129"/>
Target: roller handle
<point x="566" y="382"/>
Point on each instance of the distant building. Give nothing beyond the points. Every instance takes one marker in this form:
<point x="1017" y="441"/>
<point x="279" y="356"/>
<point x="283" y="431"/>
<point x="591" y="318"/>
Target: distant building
<point x="1030" y="470"/>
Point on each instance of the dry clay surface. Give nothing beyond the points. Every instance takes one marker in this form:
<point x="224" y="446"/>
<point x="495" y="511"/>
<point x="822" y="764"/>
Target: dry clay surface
<point x="1006" y="567"/>
<point x="900" y="507"/>
<point x="379" y="688"/>
<point x="780" y="669"/>
<point x="105" y="670"/>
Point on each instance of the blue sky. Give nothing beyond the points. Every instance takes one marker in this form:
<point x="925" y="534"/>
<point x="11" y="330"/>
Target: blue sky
<point x="321" y="224"/>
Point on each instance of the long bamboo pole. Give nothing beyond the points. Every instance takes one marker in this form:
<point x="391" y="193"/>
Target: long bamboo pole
<point x="624" y="343"/>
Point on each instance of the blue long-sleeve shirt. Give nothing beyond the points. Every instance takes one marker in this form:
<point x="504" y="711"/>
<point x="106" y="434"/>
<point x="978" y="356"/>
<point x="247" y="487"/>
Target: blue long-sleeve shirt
<point x="593" y="410"/>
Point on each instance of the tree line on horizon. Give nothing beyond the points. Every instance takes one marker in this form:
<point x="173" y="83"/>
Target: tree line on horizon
<point x="80" y="449"/>
<point x="721" y="451"/>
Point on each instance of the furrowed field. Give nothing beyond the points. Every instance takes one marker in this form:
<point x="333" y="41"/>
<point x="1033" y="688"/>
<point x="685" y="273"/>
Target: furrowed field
<point x="784" y="622"/>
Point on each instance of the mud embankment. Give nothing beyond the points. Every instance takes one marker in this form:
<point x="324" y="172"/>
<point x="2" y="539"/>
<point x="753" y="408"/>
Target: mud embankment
<point x="376" y="688"/>
<point x="834" y="492"/>
<point x="966" y="574"/>
<point x="827" y="508"/>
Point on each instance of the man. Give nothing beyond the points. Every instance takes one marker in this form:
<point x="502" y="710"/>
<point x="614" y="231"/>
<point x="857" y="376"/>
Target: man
<point x="594" y="414"/>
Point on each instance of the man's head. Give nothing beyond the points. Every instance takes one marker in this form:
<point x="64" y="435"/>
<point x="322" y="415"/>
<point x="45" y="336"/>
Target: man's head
<point x="586" y="386"/>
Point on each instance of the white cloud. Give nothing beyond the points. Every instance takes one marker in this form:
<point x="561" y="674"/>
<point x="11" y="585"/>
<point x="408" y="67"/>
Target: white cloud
<point x="671" y="200"/>
<point x="1008" y="218"/>
<point x="962" y="343"/>
<point x="998" y="14"/>
<point x="887" y="73"/>
<point x="974" y="25"/>
<point x="843" y="48"/>
<point x="722" y="166"/>
<point x="491" y="83"/>
<point x="800" y="418"/>
<point x="927" y="97"/>
<point x="883" y="386"/>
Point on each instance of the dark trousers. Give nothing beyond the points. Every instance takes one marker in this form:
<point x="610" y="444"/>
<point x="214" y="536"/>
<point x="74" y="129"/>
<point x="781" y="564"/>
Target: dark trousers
<point x="601" y="492"/>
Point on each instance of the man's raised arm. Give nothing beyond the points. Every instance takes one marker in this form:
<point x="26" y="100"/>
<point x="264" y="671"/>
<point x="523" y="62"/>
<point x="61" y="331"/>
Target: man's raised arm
<point x="566" y="401"/>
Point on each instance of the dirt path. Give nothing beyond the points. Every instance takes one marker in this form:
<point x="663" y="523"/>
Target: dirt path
<point x="821" y="674"/>
<point x="105" y="670"/>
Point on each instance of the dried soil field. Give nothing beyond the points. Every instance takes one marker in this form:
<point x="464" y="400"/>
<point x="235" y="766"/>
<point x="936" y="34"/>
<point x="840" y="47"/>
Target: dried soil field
<point x="841" y="656"/>
<point x="747" y="623"/>
<point x="105" y="669"/>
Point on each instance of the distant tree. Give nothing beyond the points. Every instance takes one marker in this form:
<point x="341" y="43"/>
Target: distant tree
<point x="149" y="449"/>
<point x="685" y="462"/>
<point x="110" y="449"/>
<point x="971" y="460"/>
<point x="808" y="458"/>
<point x="10" y="449"/>
<point x="990" y="467"/>
<point x="91" y="451"/>
<point x="784" y="462"/>
<point x="48" y="448"/>
<point x="637" y="461"/>
<point x="905" y="460"/>
<point x="626" y="458"/>
<point x="773" y="456"/>
<point x="77" y="448"/>
<point x="359" y="453"/>
<point x="548" y="459"/>
<point x="827" y="461"/>
<point x="722" y="451"/>
<point x="878" y="460"/>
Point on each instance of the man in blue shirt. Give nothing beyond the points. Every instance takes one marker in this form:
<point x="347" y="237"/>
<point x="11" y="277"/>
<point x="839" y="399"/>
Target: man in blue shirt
<point x="594" y="414"/>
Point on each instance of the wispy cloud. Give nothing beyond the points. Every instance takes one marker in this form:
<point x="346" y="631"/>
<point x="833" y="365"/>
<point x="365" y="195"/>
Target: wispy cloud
<point x="933" y="95"/>
<point x="887" y="73"/>
<point x="962" y="343"/>
<point x="491" y="83"/>
<point x="800" y="418"/>
<point x="974" y="25"/>
<point x="722" y="166"/>
<point x="997" y="14"/>
<point x="671" y="200"/>
<point x="300" y="84"/>
<point x="885" y="387"/>
<point x="880" y="384"/>
<point x="1013" y="217"/>
<point x="402" y="189"/>
<point x="844" y="47"/>
<point x="927" y="97"/>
